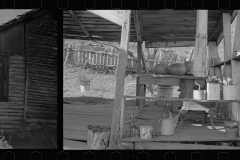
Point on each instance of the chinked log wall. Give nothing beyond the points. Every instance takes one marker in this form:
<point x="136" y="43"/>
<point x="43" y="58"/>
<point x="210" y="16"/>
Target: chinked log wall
<point x="11" y="112"/>
<point x="42" y="70"/>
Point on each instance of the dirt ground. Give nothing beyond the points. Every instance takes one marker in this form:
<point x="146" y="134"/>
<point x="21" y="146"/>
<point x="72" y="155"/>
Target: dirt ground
<point x="44" y="137"/>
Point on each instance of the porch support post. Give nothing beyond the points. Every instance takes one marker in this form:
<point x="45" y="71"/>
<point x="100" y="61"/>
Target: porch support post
<point x="118" y="111"/>
<point x="139" y="88"/>
<point x="236" y="72"/>
<point x="227" y="70"/>
<point x="200" y="68"/>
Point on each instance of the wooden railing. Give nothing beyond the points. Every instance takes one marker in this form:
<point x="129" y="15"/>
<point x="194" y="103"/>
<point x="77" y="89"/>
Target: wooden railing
<point x="107" y="59"/>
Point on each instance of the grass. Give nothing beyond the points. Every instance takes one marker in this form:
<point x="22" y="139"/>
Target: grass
<point x="101" y="85"/>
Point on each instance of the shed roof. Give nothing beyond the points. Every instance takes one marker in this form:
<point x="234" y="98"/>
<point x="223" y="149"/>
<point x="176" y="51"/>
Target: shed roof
<point x="23" y="17"/>
<point x="157" y="25"/>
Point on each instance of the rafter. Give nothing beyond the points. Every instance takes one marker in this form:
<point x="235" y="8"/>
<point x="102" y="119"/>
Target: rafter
<point x="114" y="16"/>
<point x="138" y="25"/>
<point x="79" y="23"/>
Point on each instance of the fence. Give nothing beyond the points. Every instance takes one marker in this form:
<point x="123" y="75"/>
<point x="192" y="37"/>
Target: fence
<point x="107" y="60"/>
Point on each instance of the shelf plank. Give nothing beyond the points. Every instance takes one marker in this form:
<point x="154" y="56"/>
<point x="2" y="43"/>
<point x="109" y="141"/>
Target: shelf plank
<point x="177" y="99"/>
<point x="181" y="146"/>
<point x="237" y="58"/>
<point x="191" y="133"/>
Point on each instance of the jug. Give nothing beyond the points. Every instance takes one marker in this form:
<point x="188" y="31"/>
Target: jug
<point x="168" y="125"/>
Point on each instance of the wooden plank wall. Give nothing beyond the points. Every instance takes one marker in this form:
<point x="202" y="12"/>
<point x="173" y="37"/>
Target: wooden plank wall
<point x="42" y="70"/>
<point x="12" y="47"/>
<point x="11" y="112"/>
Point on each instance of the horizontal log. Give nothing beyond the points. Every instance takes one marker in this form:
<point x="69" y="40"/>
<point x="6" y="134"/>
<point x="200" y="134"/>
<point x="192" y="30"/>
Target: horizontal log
<point x="35" y="76"/>
<point x="42" y="27"/>
<point x="7" y="110"/>
<point x="10" y="122"/>
<point x="9" y="103"/>
<point x="44" y="20"/>
<point x="16" y="99"/>
<point x="15" y="118"/>
<point x="19" y="95"/>
<point x="33" y="111"/>
<point x="44" y="65"/>
<point x="42" y="70"/>
<point x="44" y="93"/>
<point x="42" y="108"/>
<point x="42" y="105"/>
<point x="46" y="99"/>
<point x="42" y="33"/>
<point x="16" y="57"/>
<point x="17" y="82"/>
<point x="13" y="88"/>
<point x="47" y="60"/>
<point x="41" y="94"/>
<point x="11" y="114"/>
<point x="40" y="89"/>
<point x="35" y="102"/>
<point x="12" y="130"/>
<point x="33" y="40"/>
<point x="16" y="70"/>
<point x="51" y="121"/>
<point x="54" y="40"/>
<point x="42" y="51"/>
<point x="38" y="80"/>
<point x="10" y="126"/>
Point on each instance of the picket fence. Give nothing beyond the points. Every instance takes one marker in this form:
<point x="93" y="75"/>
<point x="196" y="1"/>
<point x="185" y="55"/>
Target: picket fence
<point x="103" y="59"/>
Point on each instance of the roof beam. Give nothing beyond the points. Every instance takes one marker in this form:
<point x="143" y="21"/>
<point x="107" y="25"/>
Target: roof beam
<point x="169" y="44"/>
<point x="78" y="22"/>
<point x="138" y="25"/>
<point x="114" y="16"/>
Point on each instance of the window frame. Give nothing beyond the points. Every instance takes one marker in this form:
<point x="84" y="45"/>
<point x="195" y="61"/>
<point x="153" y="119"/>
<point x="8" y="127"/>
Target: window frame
<point x="6" y="77"/>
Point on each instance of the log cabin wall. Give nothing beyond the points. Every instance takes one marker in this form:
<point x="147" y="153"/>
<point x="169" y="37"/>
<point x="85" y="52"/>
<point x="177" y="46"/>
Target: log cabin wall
<point x="12" y="50"/>
<point x="42" y="69"/>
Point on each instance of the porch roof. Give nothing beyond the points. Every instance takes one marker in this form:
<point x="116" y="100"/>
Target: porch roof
<point x="153" y="26"/>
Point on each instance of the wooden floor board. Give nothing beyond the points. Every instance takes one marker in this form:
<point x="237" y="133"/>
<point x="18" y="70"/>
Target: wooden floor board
<point x="77" y="116"/>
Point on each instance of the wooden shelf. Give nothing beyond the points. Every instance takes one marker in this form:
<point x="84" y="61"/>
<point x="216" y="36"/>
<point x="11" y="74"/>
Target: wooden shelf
<point x="191" y="132"/>
<point x="187" y="76"/>
<point x="178" y="99"/>
<point x="237" y="58"/>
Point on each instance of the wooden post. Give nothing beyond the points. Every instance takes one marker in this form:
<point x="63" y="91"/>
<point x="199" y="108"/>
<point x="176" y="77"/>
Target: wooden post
<point x="236" y="79"/>
<point x="227" y="70"/>
<point x="84" y="56"/>
<point x="200" y="68"/>
<point x="98" y="58"/>
<point x="139" y="88"/>
<point x="105" y="59"/>
<point x="115" y="136"/>
<point x="236" y="45"/>
<point x="236" y="72"/>
<point x="213" y="59"/>
<point x="227" y="43"/>
<point x="95" y="58"/>
<point x="101" y="58"/>
<point x="109" y="59"/>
